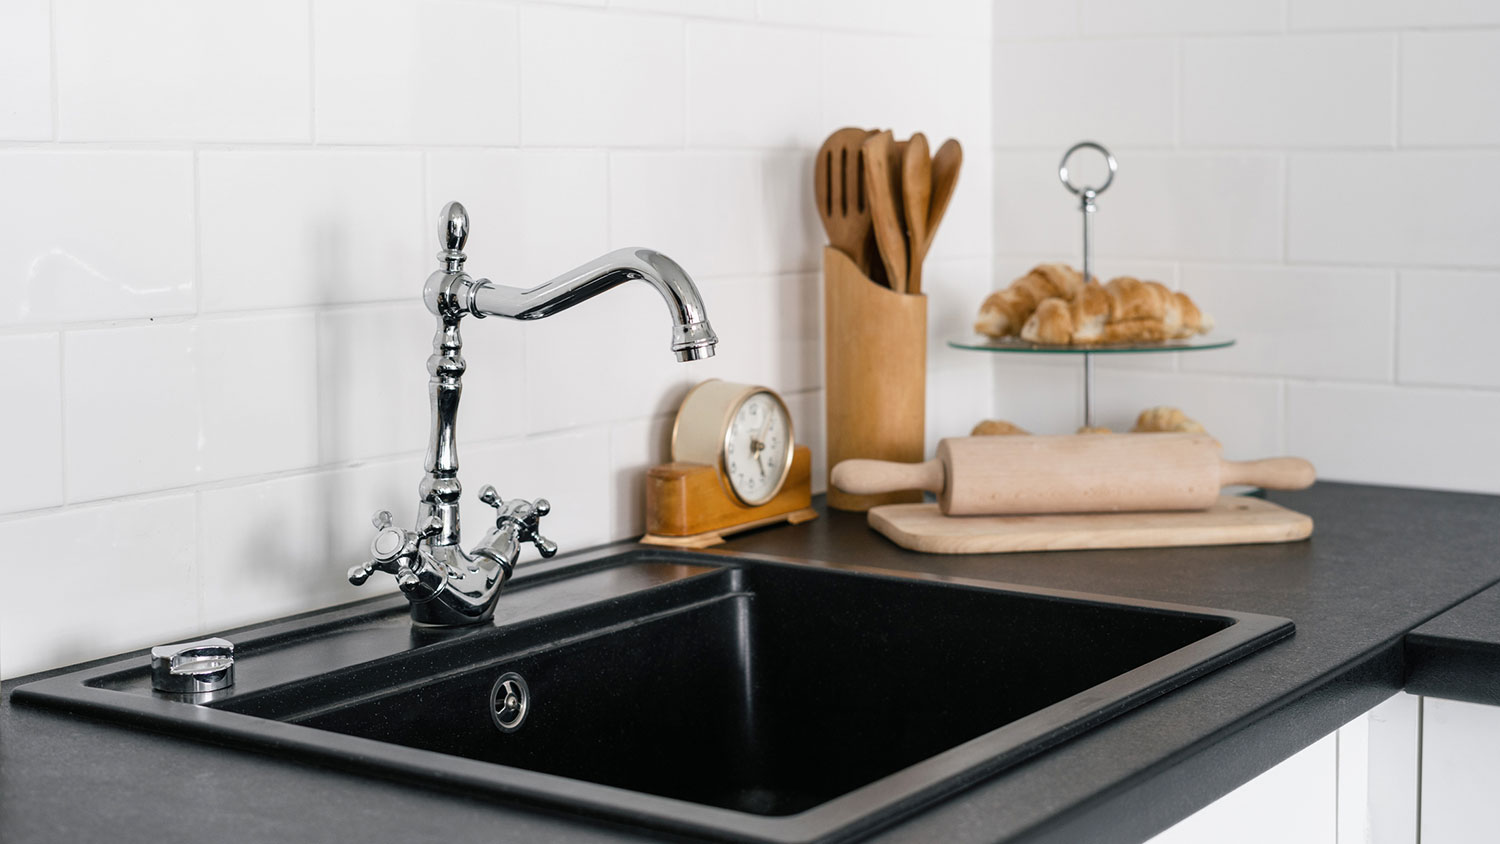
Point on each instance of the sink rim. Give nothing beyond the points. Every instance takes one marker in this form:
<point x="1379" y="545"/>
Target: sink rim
<point x="860" y="810"/>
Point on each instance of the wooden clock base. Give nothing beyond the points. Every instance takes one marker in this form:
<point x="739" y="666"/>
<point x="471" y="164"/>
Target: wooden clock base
<point x="687" y="505"/>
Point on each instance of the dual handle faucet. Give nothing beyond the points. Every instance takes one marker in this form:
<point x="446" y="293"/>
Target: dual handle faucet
<point x="446" y="585"/>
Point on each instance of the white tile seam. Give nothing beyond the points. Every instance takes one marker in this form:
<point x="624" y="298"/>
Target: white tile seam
<point x="197" y="236"/>
<point x="54" y="93"/>
<point x="1395" y="361"/>
<point x="1397" y="74"/>
<point x="312" y="71"/>
<point x="62" y="413"/>
<point x="1177" y="95"/>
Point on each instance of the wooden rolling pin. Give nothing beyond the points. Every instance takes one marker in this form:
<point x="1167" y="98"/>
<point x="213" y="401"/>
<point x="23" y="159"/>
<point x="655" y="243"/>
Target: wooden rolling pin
<point x="1074" y="473"/>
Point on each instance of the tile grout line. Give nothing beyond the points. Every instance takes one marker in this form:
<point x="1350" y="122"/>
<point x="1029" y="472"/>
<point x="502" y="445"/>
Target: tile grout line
<point x="312" y="71"/>
<point x="54" y="90"/>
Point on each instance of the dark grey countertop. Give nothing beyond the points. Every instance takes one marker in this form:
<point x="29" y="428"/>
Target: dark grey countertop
<point x="1457" y="654"/>
<point x="1381" y="563"/>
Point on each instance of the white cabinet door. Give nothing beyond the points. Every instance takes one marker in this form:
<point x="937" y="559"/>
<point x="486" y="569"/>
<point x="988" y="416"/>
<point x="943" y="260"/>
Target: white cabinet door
<point x="1460" y="772"/>
<point x="1293" y="803"/>
<point x="1357" y="785"/>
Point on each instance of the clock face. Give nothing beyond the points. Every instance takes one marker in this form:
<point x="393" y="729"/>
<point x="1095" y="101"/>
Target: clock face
<point x="757" y="448"/>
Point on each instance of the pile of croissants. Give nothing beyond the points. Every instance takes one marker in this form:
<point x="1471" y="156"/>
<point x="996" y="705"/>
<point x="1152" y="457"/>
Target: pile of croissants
<point x="1161" y="419"/>
<point x="1052" y="305"/>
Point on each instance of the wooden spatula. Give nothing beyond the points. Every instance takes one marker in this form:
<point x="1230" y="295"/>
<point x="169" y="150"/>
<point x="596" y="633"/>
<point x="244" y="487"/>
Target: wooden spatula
<point x="883" y="182"/>
<point x="945" y="167"/>
<point x="916" y="196"/>
<point x="843" y="205"/>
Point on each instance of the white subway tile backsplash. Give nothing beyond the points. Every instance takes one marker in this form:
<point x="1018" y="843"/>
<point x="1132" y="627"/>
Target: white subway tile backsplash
<point x="736" y="98"/>
<point x="1120" y="92"/>
<point x="1393" y="208"/>
<point x="142" y="582"/>
<point x="739" y="9"/>
<point x="1242" y="413"/>
<point x="160" y="406"/>
<point x="1390" y="14"/>
<point x="1044" y="396"/>
<point x="634" y="447"/>
<point x="570" y="470"/>
<point x="1016" y="20"/>
<point x="1295" y="321"/>
<point x="181" y="70"/>
<point x="707" y="211"/>
<point x="259" y="393"/>
<point x="282" y="546"/>
<point x="1447" y="97"/>
<point x="533" y="214"/>
<point x="965" y="231"/>
<point x="1321" y="90"/>
<point x="1180" y="17"/>
<point x="808" y="417"/>
<point x="592" y="79"/>
<point x="95" y="235"/>
<point x="1161" y="206"/>
<point x="132" y="410"/>
<point x="25" y="70"/>
<point x="31" y="445"/>
<point x="907" y="85"/>
<point x="372" y="381"/>
<point x="286" y="229"/>
<point x="1445" y="328"/>
<point x="962" y="18"/>
<point x="427" y="72"/>
<point x="794" y="233"/>
<point x="1396" y="435"/>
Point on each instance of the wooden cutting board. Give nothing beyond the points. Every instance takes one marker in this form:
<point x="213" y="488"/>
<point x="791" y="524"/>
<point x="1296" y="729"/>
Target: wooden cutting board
<point x="1232" y="520"/>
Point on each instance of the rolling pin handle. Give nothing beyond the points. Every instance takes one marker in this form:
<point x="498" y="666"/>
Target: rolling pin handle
<point x="872" y="477"/>
<point x="1271" y="473"/>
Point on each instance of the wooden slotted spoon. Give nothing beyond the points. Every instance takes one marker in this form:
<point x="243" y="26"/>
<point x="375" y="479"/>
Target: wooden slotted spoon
<point x="838" y="185"/>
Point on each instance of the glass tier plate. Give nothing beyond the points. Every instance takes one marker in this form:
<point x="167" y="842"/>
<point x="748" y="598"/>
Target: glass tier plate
<point x="1016" y="344"/>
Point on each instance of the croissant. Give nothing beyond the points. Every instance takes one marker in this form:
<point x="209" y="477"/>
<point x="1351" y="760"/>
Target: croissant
<point x="1005" y="311"/>
<point x="997" y="428"/>
<point x="1126" y="310"/>
<point x="1169" y="419"/>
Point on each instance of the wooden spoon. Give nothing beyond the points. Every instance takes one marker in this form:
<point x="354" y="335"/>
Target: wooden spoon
<point x="945" y="166"/>
<point x="838" y="184"/>
<point x="882" y="181"/>
<point x="916" y="196"/>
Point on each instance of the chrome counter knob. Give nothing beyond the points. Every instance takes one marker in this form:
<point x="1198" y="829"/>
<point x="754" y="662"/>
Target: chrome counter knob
<point x="206" y="665"/>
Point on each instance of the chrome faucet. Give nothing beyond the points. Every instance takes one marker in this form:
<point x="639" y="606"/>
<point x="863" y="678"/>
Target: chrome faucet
<point x="446" y="585"/>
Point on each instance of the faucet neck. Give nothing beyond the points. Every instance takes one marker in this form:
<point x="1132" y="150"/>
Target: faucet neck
<point x="440" y="489"/>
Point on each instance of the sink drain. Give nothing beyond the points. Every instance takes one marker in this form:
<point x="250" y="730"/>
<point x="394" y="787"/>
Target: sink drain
<point x="509" y="701"/>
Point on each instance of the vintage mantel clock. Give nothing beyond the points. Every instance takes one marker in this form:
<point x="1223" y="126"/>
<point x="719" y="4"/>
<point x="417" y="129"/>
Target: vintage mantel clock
<point x="735" y="466"/>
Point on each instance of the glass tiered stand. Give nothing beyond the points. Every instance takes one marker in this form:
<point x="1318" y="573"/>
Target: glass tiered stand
<point x="1015" y="345"/>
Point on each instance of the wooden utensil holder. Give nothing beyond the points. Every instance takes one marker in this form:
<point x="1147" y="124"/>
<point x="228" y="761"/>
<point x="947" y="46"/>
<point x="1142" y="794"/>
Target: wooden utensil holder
<point x="875" y="363"/>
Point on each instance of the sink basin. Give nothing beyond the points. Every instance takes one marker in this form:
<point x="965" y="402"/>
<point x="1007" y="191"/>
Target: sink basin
<point x="709" y="695"/>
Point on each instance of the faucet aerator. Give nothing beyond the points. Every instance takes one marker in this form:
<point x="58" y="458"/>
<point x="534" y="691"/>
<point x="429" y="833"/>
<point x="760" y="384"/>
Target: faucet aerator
<point x="694" y="353"/>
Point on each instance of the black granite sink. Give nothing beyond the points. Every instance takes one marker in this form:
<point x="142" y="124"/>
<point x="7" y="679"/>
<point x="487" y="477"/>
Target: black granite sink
<point x="703" y="694"/>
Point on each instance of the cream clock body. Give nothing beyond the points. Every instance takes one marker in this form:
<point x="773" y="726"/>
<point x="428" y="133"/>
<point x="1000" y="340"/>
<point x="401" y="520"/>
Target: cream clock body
<point x="744" y="431"/>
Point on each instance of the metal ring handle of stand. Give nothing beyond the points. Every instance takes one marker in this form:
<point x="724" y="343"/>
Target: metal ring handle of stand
<point x="1086" y="197"/>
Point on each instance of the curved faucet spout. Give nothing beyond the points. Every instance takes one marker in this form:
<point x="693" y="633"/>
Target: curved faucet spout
<point x="692" y="336"/>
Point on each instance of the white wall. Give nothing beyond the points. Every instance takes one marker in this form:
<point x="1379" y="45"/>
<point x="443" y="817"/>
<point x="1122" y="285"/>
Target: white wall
<point x="215" y="224"/>
<point x="1318" y="174"/>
